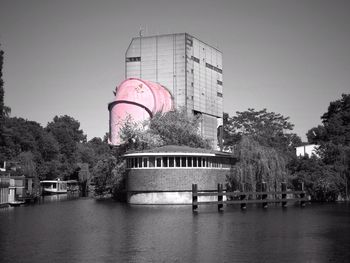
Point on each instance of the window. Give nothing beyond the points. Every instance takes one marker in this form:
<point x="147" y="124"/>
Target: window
<point x="189" y="161"/>
<point x="183" y="161"/>
<point x="177" y="161"/>
<point x="145" y="162"/>
<point x="165" y="161"/>
<point x="213" y="68"/>
<point x="219" y="82"/>
<point x="194" y="161"/>
<point x="151" y="162"/>
<point x="140" y="162"/>
<point x="159" y="162"/>
<point x="219" y="94"/>
<point x="189" y="42"/>
<point x="192" y="70"/>
<point x="209" y="66"/>
<point x="191" y="84"/>
<point x="195" y="59"/>
<point x="199" y="161"/>
<point x="171" y="161"/>
<point x="133" y="59"/>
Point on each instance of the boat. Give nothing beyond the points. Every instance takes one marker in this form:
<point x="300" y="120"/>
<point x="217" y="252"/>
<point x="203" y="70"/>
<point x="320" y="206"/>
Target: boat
<point x="16" y="203"/>
<point x="54" y="186"/>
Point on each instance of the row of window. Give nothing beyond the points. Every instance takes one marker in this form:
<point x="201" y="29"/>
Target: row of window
<point x="195" y="59"/>
<point x="189" y="42"/>
<point x="133" y="59"/>
<point x="177" y="161"/>
<point x="213" y="68"/>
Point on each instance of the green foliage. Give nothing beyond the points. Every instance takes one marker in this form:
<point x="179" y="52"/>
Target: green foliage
<point x="137" y="136"/>
<point x="1" y="87"/>
<point x="260" y="142"/>
<point x="322" y="181"/>
<point x="27" y="163"/>
<point x="109" y="176"/>
<point x="267" y="128"/>
<point x="178" y="128"/>
<point x="66" y="131"/>
<point x="328" y="176"/>
<point x="257" y="163"/>
<point x="172" y="128"/>
<point x="84" y="177"/>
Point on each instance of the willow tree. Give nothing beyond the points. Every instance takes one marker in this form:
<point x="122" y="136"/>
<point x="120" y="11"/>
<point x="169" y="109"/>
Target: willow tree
<point x="263" y="143"/>
<point x="257" y="163"/>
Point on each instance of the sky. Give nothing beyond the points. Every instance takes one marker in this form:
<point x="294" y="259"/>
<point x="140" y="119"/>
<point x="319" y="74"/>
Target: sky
<point x="66" y="57"/>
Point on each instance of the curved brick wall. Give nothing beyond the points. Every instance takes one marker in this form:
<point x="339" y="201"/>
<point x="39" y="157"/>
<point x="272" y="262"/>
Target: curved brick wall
<point x="140" y="180"/>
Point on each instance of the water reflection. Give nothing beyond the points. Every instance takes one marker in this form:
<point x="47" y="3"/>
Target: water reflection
<point x="59" y="197"/>
<point x="85" y="230"/>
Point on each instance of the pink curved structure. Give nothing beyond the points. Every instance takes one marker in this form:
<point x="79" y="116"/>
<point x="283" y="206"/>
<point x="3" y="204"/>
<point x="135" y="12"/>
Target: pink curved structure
<point x="136" y="99"/>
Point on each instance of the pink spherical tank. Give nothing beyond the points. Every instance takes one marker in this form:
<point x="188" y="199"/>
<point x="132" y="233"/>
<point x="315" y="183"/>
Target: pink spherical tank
<point x="137" y="100"/>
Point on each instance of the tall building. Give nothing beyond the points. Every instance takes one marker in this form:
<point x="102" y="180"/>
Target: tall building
<point x="189" y="68"/>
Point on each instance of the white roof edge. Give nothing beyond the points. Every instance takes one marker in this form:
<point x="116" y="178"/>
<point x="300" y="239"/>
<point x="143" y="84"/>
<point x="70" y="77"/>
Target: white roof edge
<point x="52" y="181"/>
<point x="168" y="154"/>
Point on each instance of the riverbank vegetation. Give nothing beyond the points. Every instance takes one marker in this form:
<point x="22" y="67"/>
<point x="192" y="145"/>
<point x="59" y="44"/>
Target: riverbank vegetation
<point x="265" y="146"/>
<point x="262" y="141"/>
<point x="327" y="176"/>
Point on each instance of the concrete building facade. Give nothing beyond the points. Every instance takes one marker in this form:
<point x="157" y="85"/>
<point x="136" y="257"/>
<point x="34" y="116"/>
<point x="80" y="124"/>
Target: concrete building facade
<point x="189" y="68"/>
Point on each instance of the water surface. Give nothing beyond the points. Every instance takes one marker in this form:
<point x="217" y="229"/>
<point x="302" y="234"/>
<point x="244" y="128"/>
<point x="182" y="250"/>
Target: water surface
<point x="85" y="230"/>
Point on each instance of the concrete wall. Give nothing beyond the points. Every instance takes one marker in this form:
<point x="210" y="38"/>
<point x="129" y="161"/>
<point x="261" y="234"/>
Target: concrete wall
<point x="189" y="68"/>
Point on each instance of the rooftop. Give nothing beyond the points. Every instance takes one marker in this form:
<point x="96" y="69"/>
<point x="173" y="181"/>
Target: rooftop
<point x="178" y="150"/>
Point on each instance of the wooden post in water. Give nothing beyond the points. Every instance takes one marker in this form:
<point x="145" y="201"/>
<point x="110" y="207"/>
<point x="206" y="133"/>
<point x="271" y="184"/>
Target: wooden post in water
<point x="242" y="197"/>
<point x="302" y="195"/>
<point x="194" y="197"/>
<point x="264" y="196"/>
<point x="284" y="196"/>
<point x="220" y="197"/>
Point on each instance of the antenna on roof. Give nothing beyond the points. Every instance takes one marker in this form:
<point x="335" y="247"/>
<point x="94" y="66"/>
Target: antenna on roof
<point x="140" y="32"/>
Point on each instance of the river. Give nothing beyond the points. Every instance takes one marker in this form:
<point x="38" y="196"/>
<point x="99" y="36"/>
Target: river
<point x="85" y="230"/>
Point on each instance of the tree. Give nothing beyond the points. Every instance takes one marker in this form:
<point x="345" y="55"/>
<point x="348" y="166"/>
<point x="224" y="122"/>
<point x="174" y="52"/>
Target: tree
<point x="4" y="112"/>
<point x="333" y="136"/>
<point x="84" y="177"/>
<point x="27" y="164"/>
<point x="257" y="163"/>
<point x="172" y="128"/>
<point x="267" y="128"/>
<point x="2" y="93"/>
<point x="108" y="176"/>
<point x="263" y="146"/>
<point x="178" y="128"/>
<point x="66" y="130"/>
<point x="322" y="182"/>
